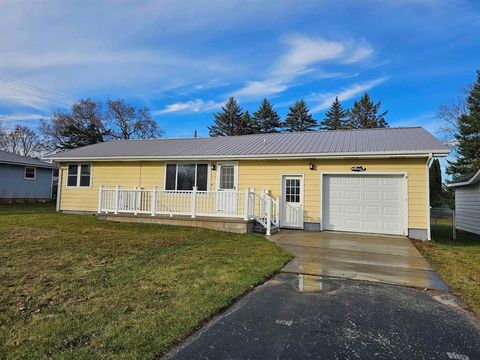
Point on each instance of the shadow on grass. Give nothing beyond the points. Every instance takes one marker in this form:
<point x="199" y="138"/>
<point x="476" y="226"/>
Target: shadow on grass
<point x="27" y="208"/>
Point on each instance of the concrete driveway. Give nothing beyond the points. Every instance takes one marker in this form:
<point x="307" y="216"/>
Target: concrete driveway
<point x="386" y="259"/>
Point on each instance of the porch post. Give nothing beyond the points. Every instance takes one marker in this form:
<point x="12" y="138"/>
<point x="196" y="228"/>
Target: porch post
<point x="194" y="201"/>
<point x="269" y="216"/>
<point x="247" y="204"/>
<point x="154" y="200"/>
<point x="100" y="195"/>
<point x="117" y="194"/>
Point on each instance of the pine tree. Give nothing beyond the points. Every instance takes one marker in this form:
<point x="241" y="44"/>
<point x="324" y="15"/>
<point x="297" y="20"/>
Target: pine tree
<point x="299" y="118"/>
<point x="365" y="114"/>
<point x="468" y="136"/>
<point x="436" y="188"/>
<point x="266" y="119"/>
<point x="336" y="118"/>
<point x="247" y="125"/>
<point x="229" y="121"/>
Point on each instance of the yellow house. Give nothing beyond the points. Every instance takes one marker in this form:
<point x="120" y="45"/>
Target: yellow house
<point x="372" y="180"/>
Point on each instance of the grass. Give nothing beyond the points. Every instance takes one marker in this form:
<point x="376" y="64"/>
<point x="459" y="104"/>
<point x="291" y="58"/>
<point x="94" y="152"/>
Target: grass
<point x="75" y="287"/>
<point x="457" y="261"/>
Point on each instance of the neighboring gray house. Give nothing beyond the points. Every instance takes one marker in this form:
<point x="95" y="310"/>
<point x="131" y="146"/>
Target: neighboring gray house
<point x="24" y="178"/>
<point x="467" y="203"/>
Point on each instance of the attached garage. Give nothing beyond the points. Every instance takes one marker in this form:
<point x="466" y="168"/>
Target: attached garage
<point x="369" y="203"/>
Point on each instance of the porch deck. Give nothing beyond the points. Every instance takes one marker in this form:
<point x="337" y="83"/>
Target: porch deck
<point x="230" y="211"/>
<point x="228" y="224"/>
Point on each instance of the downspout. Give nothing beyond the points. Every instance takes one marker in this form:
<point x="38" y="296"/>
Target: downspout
<point x="59" y="186"/>
<point x="429" y="163"/>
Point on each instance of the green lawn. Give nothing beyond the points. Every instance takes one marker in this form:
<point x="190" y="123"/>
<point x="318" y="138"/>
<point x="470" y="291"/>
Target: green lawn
<point x="75" y="287"/>
<point x="457" y="261"/>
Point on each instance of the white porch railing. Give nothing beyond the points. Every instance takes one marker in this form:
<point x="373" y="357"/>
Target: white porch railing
<point x="247" y="204"/>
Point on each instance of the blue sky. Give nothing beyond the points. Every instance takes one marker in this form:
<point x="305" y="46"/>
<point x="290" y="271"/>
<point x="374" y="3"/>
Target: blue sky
<point x="183" y="59"/>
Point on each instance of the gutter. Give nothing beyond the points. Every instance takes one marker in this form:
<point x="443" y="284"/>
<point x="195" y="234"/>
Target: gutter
<point x="390" y="154"/>
<point x="471" y="181"/>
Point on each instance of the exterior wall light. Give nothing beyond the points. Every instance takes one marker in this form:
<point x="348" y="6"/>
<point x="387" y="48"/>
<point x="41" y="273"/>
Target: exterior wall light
<point x="212" y="167"/>
<point x="311" y="166"/>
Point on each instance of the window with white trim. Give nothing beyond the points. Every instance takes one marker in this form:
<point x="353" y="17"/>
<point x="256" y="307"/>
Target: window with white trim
<point x="30" y="173"/>
<point x="227" y="177"/>
<point x="185" y="176"/>
<point x="79" y="175"/>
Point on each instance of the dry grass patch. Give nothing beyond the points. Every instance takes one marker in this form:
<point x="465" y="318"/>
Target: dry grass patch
<point x="457" y="261"/>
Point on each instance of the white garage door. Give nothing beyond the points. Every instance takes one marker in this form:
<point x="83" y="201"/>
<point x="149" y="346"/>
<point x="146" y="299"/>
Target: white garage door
<point x="364" y="203"/>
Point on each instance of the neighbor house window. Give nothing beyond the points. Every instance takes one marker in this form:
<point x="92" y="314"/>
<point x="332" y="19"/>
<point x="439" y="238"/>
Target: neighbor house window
<point x="30" y="173"/>
<point x="186" y="176"/>
<point x="79" y="175"/>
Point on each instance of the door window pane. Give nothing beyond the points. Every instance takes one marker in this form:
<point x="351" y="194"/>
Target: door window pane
<point x="292" y="190"/>
<point x="185" y="176"/>
<point x="227" y="177"/>
<point x="84" y="175"/>
<point x="202" y="177"/>
<point x="171" y="176"/>
<point x="72" y="175"/>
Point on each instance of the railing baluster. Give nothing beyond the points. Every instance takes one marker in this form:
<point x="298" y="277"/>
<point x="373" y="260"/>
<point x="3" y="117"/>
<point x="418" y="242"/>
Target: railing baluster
<point x="194" y="201"/>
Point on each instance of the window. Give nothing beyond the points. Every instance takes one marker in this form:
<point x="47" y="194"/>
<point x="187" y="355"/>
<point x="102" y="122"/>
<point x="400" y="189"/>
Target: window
<point x="30" y="173"/>
<point x="292" y="190"/>
<point x="79" y="175"/>
<point x="227" y="177"/>
<point x="186" y="176"/>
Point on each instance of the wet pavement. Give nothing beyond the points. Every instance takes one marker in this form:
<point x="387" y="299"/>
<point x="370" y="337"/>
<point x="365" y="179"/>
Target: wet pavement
<point x="302" y="316"/>
<point x="378" y="258"/>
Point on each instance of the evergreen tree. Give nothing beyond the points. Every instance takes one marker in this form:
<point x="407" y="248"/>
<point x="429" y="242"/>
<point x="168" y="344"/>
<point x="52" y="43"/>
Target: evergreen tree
<point x="266" y="119"/>
<point x="365" y="114"/>
<point x="229" y="121"/>
<point x="336" y="118"/>
<point x="436" y="188"/>
<point x="299" y="118"/>
<point x="247" y="125"/>
<point x="468" y="136"/>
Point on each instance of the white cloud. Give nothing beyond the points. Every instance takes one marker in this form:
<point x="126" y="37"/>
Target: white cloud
<point x="191" y="106"/>
<point x="266" y="87"/>
<point x="324" y="100"/>
<point x="303" y="56"/>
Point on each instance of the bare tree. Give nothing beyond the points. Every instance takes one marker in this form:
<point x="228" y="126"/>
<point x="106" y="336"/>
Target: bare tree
<point x="449" y="113"/>
<point x="22" y="141"/>
<point x="129" y="122"/>
<point x="83" y="125"/>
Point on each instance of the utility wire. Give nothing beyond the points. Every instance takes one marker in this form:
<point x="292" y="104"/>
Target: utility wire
<point x="37" y="95"/>
<point x="22" y="83"/>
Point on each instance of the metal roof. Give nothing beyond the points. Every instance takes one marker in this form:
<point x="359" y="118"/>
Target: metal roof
<point x="390" y="141"/>
<point x="9" y="158"/>
<point x="470" y="179"/>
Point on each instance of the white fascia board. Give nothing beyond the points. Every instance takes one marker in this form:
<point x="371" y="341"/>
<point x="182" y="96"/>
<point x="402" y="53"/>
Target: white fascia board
<point x="260" y="157"/>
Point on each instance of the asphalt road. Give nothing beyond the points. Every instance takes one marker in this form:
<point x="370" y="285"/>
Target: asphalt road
<point x="300" y="317"/>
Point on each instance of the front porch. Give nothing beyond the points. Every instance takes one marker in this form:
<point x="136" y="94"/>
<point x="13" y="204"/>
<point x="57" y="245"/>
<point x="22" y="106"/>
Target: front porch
<point x="228" y="224"/>
<point x="231" y="211"/>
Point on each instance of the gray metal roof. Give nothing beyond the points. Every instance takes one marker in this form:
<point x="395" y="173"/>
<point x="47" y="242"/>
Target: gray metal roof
<point x="9" y="158"/>
<point x="470" y="179"/>
<point x="301" y="144"/>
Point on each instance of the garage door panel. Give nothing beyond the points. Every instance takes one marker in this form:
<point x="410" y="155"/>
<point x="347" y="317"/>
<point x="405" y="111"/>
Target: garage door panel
<point x="364" y="203"/>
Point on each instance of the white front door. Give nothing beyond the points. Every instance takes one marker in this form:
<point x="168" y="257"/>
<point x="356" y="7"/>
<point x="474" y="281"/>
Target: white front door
<point x="364" y="203"/>
<point x="227" y="196"/>
<point x="292" y="202"/>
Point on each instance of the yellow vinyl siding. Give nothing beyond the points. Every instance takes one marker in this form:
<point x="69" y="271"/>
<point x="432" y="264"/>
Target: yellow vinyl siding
<point x="146" y="174"/>
<point x="258" y="174"/>
<point x="267" y="175"/>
